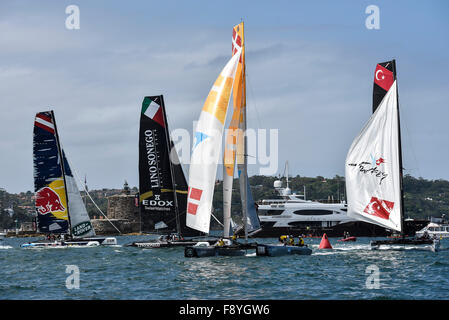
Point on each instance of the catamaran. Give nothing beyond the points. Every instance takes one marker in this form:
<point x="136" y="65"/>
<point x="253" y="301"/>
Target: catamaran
<point x="162" y="184"/>
<point x="373" y="166"/>
<point x="281" y="249"/>
<point x="205" y="156"/>
<point x="61" y="213"/>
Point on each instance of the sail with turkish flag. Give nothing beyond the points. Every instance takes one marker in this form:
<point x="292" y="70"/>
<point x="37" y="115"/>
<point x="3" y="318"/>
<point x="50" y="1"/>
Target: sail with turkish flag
<point x="206" y="149"/>
<point x="384" y="76"/>
<point x="373" y="169"/>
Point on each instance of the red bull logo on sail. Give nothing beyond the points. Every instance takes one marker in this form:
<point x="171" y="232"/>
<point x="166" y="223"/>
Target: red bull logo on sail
<point x="47" y="201"/>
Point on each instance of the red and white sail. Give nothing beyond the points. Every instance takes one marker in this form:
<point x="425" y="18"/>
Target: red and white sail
<point x="234" y="138"/>
<point x="373" y="179"/>
<point x="207" y="148"/>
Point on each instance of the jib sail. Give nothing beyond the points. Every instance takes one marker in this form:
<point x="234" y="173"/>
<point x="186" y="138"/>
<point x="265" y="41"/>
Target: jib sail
<point x="80" y="225"/>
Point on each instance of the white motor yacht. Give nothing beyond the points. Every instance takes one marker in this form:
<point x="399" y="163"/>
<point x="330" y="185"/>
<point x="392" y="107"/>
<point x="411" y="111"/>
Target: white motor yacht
<point x="437" y="228"/>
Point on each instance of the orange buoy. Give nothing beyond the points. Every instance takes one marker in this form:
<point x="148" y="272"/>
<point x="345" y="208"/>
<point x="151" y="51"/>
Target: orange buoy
<point x="325" y="244"/>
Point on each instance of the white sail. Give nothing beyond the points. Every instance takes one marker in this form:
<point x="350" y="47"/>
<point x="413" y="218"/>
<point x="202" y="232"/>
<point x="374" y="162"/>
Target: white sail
<point x="227" y="199"/>
<point x="206" y="149"/>
<point x="80" y="224"/>
<point x="373" y="181"/>
<point x="234" y="138"/>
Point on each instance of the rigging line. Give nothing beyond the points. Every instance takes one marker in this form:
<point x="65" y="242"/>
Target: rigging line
<point x="87" y="192"/>
<point x="217" y="219"/>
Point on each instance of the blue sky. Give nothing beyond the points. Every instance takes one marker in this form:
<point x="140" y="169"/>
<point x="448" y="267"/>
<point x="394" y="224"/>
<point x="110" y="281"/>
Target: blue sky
<point x="310" y="69"/>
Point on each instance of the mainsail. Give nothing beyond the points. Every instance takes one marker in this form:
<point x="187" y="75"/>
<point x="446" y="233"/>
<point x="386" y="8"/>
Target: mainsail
<point x="206" y="149"/>
<point x="163" y="187"/>
<point x="49" y="185"/>
<point x="383" y="79"/>
<point x="58" y="202"/>
<point x="373" y="164"/>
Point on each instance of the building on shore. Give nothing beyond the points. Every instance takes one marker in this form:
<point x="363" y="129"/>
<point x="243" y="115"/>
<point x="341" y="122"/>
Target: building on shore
<point x="123" y="212"/>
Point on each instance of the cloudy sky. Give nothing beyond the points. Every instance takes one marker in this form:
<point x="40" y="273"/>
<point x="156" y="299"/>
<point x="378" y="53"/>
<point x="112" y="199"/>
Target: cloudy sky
<point x="309" y="74"/>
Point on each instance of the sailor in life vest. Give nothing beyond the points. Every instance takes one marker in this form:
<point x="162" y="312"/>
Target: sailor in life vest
<point x="283" y="239"/>
<point x="291" y="240"/>
<point x="300" y="241"/>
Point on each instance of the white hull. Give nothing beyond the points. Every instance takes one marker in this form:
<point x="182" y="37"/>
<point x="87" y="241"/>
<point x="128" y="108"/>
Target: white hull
<point x="79" y="243"/>
<point x="302" y="214"/>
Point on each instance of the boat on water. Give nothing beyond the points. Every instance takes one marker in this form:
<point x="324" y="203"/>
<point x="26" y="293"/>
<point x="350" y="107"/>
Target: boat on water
<point x="2" y="235"/>
<point x="275" y="250"/>
<point x="348" y="239"/>
<point x="292" y="213"/>
<point x="373" y="165"/>
<point x="437" y="228"/>
<point x="162" y="183"/>
<point x="61" y="213"/>
<point x="205" y="158"/>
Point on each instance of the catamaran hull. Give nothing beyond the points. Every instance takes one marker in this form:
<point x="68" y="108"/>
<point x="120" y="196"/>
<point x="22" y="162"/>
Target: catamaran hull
<point x="200" y="252"/>
<point x="83" y="242"/>
<point x="434" y="244"/>
<point x="348" y="239"/>
<point x="281" y="250"/>
<point x="165" y="244"/>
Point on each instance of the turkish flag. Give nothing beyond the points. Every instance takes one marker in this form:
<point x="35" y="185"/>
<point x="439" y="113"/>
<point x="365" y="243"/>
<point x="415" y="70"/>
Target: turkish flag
<point x="379" y="208"/>
<point x="383" y="77"/>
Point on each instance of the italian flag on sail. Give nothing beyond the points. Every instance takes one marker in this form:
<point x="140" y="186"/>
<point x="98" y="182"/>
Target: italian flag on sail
<point x="153" y="110"/>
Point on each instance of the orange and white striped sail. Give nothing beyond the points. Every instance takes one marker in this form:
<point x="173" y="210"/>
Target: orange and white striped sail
<point x="234" y="137"/>
<point x="206" y="149"/>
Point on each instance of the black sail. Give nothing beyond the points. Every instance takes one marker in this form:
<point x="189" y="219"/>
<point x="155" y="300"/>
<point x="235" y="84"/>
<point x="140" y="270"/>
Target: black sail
<point x="160" y="209"/>
<point x="384" y="76"/>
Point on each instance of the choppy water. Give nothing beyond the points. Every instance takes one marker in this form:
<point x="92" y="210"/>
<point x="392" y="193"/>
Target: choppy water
<point x="133" y="273"/>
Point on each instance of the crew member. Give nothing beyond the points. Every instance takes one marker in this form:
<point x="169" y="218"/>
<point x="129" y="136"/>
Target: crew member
<point x="300" y="241"/>
<point x="291" y="240"/>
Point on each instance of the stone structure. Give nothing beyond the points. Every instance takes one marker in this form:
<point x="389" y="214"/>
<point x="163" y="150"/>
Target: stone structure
<point x="122" y="212"/>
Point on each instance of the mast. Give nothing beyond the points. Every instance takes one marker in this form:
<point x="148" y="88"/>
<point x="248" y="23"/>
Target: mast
<point x="245" y="141"/>
<point x="400" y="152"/>
<point x="61" y="159"/>
<point x="172" y="174"/>
<point x="86" y="190"/>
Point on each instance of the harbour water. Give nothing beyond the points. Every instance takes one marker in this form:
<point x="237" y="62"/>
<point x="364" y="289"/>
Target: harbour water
<point x="348" y="272"/>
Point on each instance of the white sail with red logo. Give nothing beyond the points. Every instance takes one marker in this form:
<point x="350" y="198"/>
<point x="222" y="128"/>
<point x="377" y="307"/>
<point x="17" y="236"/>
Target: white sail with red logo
<point x="374" y="164"/>
<point x="206" y="149"/>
